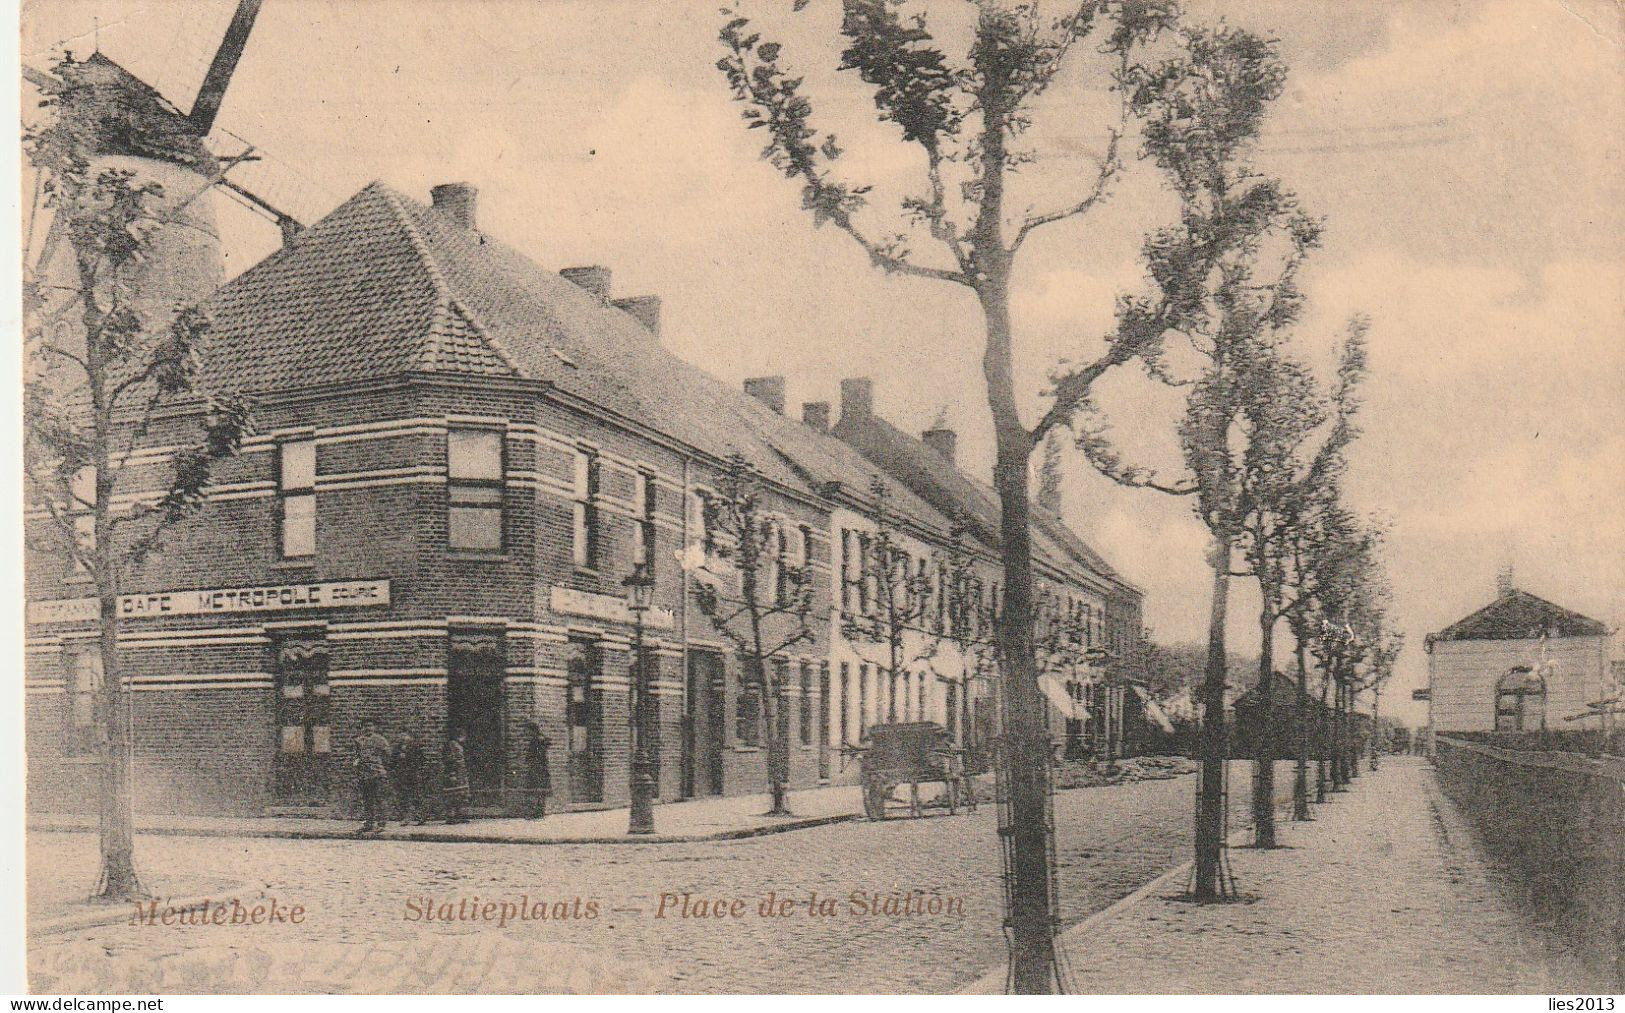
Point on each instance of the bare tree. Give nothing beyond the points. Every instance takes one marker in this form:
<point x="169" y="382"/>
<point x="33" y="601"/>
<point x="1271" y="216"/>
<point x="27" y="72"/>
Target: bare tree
<point x="967" y="121"/>
<point x="102" y="358"/>
<point x="1281" y="479"/>
<point x="759" y="598"/>
<point x="1225" y="284"/>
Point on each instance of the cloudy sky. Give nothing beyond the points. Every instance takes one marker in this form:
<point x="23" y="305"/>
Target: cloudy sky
<point x="1466" y="156"/>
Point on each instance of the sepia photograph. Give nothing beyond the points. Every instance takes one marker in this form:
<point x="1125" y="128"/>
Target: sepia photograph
<point x="861" y="497"/>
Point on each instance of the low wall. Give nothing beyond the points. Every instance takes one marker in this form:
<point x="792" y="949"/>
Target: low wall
<point x="1557" y="822"/>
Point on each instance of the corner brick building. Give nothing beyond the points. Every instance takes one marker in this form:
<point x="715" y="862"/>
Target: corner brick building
<point x="459" y="457"/>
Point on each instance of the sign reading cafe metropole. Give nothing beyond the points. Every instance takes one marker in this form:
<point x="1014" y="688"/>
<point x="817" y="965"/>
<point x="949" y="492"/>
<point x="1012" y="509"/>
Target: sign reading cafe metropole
<point x="206" y="601"/>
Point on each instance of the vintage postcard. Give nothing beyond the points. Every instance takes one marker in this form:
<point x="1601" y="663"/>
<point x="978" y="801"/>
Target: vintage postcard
<point x="821" y="496"/>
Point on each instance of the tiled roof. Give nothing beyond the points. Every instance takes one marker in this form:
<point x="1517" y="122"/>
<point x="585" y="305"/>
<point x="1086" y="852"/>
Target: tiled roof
<point x="385" y="285"/>
<point x="953" y="493"/>
<point x="1519" y="614"/>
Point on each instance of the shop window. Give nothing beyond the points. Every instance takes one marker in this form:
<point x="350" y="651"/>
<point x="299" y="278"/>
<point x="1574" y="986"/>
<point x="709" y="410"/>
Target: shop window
<point x="781" y="692"/>
<point x="584" y="715"/>
<point x="748" y="713"/>
<point x="846" y="702"/>
<point x="304" y="742"/>
<point x="806" y="704"/>
<point x="296" y="489"/>
<point x="863" y="702"/>
<point x="474" y="470"/>
<point x="84" y="682"/>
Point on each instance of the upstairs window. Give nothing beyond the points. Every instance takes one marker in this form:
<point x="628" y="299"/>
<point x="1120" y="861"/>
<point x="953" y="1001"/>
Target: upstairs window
<point x="587" y="542"/>
<point x="939" y="623"/>
<point x="643" y="500"/>
<point x="771" y="550"/>
<point x="82" y="507"/>
<point x="296" y="490"/>
<point x="699" y="528"/>
<point x="474" y="469"/>
<point x="868" y="579"/>
<point x="848" y="589"/>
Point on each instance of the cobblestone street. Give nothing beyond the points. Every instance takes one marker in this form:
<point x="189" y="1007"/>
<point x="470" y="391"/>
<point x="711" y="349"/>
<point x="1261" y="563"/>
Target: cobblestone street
<point x="356" y="937"/>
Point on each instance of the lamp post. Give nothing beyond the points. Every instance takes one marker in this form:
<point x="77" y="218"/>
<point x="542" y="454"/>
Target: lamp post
<point x="639" y="594"/>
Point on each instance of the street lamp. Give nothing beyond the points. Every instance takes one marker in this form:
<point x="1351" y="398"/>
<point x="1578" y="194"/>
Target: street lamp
<point x="639" y="595"/>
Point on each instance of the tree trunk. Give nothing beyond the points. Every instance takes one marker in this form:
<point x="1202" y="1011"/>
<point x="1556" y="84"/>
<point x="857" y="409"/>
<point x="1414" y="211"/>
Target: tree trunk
<point x="1210" y="803"/>
<point x="1300" y="782"/>
<point x="1026" y="753"/>
<point x="1264" y="754"/>
<point x="1340" y="753"/>
<point x="777" y="755"/>
<point x="118" y="878"/>
<point x="1323" y="727"/>
<point x="1375" y="744"/>
<point x="1352" y="758"/>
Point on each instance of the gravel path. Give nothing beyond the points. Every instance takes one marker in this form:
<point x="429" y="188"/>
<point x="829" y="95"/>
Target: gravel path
<point x="1385" y="892"/>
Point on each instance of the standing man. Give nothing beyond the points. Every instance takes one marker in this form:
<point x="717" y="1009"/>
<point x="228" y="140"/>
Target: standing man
<point x="372" y="767"/>
<point x="538" y="779"/>
<point x="455" y="768"/>
<point x="406" y="767"/>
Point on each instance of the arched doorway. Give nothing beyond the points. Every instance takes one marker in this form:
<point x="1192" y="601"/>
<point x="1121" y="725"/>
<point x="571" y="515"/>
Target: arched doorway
<point x="1520" y="701"/>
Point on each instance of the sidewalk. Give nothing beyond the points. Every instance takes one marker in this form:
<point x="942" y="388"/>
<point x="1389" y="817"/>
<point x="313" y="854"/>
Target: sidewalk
<point x="711" y="819"/>
<point x="1384" y="892"/>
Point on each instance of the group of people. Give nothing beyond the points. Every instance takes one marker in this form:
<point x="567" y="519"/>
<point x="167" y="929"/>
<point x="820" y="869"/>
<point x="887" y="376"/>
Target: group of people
<point x="400" y="766"/>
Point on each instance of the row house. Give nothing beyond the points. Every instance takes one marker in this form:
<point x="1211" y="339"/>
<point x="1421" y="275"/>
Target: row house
<point x="1088" y="615"/>
<point x="459" y="459"/>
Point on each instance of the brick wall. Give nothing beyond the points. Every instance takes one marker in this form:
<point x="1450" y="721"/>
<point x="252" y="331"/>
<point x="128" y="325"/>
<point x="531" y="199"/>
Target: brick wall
<point x="381" y="515"/>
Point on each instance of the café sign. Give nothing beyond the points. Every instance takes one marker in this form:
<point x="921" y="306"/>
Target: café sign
<point x="569" y="601"/>
<point x="208" y="601"/>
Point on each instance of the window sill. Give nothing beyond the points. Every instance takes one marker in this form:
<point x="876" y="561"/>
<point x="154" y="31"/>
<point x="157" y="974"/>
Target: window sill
<point x="477" y="555"/>
<point x="747" y="749"/>
<point x="81" y="759"/>
<point x="302" y="563"/>
<point x="587" y="571"/>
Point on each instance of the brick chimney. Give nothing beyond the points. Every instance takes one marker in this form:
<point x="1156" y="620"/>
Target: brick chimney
<point x="1503" y="583"/>
<point x="815" y="415"/>
<point x="594" y="279"/>
<point x="857" y="398"/>
<point x="290" y="229"/>
<point x="943" y="440"/>
<point x="645" y="309"/>
<point x="767" y="389"/>
<point x="457" y="202"/>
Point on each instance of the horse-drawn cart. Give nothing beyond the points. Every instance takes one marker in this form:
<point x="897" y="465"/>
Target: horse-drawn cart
<point x="913" y="753"/>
